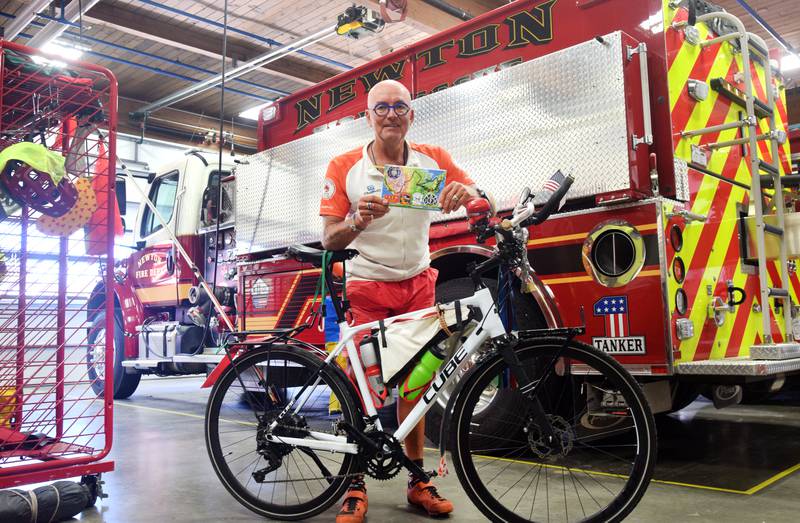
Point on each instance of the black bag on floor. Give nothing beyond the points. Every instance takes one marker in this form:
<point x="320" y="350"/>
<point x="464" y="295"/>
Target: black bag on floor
<point x="56" y="502"/>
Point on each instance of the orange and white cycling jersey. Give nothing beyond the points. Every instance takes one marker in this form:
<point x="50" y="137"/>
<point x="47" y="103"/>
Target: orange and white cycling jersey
<point x="394" y="247"/>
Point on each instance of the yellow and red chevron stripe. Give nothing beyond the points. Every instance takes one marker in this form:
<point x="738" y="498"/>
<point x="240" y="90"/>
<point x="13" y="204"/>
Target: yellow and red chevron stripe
<point x="711" y="251"/>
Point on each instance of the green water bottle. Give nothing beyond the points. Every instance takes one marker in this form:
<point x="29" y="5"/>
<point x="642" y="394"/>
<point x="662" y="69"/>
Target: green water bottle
<point x="418" y="380"/>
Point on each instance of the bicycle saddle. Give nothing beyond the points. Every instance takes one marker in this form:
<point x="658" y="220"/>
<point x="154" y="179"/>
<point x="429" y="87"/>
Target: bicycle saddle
<point x="313" y="256"/>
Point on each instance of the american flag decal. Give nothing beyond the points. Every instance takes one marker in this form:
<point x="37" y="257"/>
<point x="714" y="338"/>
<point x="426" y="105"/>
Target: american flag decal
<point x="615" y="311"/>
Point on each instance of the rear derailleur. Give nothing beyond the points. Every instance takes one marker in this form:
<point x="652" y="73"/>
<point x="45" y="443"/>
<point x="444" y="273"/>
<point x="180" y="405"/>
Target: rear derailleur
<point x="290" y="426"/>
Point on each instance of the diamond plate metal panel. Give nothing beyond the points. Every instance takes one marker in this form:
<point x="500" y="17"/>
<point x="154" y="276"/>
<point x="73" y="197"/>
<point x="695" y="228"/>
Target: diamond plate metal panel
<point x="681" y="180"/>
<point x="509" y="129"/>
<point x="738" y="367"/>
<point x="778" y="351"/>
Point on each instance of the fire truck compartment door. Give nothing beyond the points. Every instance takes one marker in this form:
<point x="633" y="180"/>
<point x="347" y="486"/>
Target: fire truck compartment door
<point x="510" y="129"/>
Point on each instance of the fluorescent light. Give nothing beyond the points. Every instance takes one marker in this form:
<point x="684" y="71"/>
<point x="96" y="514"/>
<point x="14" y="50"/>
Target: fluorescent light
<point x="253" y="112"/>
<point x="63" y="50"/>
<point x="60" y="49"/>
<point x="790" y="62"/>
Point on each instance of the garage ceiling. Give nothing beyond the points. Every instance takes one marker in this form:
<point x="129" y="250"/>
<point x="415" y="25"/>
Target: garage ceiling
<point x="158" y="47"/>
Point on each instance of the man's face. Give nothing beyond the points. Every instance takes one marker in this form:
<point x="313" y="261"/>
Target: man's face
<point x="390" y="128"/>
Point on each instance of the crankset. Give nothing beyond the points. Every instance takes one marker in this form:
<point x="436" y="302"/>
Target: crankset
<point x="384" y="459"/>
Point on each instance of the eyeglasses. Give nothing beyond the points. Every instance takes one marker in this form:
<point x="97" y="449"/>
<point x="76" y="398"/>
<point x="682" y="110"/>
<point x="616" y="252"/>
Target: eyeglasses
<point x="400" y="108"/>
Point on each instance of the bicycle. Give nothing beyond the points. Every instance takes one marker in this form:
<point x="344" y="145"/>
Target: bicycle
<point x="580" y="444"/>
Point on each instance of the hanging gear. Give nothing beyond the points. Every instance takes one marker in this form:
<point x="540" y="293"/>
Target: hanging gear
<point x="394" y="6"/>
<point x="33" y="175"/>
<point x="78" y="216"/>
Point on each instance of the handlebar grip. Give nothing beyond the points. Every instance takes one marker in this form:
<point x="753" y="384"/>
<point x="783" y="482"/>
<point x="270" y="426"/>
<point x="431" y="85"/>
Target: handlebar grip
<point x="551" y="204"/>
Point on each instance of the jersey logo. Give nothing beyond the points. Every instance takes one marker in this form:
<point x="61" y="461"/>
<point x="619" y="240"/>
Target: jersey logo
<point x="328" y="189"/>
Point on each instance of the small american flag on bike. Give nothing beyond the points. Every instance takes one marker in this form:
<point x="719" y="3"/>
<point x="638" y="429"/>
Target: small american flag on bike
<point x="552" y="185"/>
<point x="615" y="310"/>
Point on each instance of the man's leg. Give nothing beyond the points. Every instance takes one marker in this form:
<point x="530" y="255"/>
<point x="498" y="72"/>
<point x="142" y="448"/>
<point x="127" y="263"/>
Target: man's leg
<point x="422" y="294"/>
<point x="365" y="306"/>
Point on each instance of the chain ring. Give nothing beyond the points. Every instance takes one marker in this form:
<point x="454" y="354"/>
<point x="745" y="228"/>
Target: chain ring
<point x="385" y="464"/>
<point x="541" y="447"/>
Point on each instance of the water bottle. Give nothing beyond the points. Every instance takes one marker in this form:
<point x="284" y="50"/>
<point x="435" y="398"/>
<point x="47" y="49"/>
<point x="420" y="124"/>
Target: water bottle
<point x="418" y="380"/>
<point x="373" y="371"/>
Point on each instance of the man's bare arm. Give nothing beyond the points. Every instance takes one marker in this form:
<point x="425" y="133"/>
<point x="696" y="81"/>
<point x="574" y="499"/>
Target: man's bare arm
<point x="337" y="233"/>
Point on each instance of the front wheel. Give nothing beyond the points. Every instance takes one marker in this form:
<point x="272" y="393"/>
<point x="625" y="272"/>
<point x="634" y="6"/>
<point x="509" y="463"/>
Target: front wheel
<point x="124" y="383"/>
<point x="277" y="480"/>
<point x="596" y="468"/>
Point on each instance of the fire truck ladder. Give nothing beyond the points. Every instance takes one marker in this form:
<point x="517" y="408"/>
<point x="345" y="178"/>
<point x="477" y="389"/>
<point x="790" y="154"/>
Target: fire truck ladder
<point x="749" y="42"/>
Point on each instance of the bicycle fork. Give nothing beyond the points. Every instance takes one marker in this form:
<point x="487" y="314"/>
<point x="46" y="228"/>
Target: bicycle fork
<point x="529" y="386"/>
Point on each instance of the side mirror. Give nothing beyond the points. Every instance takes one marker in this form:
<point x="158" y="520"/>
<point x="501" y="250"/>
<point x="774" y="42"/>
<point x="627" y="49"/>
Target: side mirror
<point x="121" y="191"/>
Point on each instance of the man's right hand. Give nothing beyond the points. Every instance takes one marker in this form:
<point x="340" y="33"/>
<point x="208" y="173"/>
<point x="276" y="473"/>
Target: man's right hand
<point x="370" y="207"/>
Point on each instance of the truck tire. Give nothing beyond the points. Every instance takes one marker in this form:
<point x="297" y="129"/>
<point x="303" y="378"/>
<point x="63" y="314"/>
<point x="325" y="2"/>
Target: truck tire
<point x="528" y="317"/>
<point x="124" y="384"/>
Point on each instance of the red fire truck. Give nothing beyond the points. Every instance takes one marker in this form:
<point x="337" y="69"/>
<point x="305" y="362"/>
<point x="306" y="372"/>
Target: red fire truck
<point x="673" y="247"/>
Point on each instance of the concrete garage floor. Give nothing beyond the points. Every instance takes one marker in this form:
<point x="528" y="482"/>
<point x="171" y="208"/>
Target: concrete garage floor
<point x="750" y="452"/>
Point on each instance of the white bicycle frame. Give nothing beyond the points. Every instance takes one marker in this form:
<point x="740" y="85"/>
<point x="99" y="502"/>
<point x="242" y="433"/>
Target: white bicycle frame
<point x="490" y="326"/>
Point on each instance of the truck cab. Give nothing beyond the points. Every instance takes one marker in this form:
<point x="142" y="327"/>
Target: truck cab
<point x="161" y="322"/>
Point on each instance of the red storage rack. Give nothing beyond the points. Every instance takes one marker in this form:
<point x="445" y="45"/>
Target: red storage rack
<point x="52" y="423"/>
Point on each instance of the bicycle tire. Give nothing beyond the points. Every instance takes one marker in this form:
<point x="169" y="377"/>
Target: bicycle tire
<point x="579" y="431"/>
<point x="227" y="398"/>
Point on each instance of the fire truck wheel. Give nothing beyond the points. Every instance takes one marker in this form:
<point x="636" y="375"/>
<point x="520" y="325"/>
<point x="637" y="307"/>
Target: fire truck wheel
<point x="528" y="317"/>
<point x="124" y="384"/>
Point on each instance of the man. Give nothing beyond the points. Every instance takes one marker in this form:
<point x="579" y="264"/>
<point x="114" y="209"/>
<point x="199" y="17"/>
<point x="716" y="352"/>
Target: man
<point x="392" y="274"/>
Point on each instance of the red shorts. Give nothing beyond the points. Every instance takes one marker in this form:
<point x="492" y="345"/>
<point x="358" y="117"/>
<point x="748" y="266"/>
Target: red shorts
<point x="378" y="300"/>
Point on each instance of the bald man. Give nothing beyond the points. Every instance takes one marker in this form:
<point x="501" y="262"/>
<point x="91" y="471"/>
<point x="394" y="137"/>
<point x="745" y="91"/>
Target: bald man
<point x="392" y="274"/>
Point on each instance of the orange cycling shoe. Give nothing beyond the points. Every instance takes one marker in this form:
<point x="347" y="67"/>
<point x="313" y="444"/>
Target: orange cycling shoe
<point x="355" y="505"/>
<point x="424" y="495"/>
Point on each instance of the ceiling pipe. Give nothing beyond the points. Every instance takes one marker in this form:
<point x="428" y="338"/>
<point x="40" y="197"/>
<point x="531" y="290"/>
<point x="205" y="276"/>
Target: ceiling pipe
<point x="161" y="72"/>
<point x="450" y="9"/>
<point x="268" y="41"/>
<point x="74" y="36"/>
<point x="54" y="29"/>
<point x="768" y="28"/>
<point x="214" y="81"/>
<point x="24" y="18"/>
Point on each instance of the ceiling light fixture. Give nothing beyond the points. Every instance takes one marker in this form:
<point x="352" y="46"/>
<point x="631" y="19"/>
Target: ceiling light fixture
<point x="253" y="112"/>
<point x="60" y="49"/>
<point x="790" y="62"/>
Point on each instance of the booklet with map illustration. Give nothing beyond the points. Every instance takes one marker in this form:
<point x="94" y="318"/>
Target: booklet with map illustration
<point x="413" y="187"/>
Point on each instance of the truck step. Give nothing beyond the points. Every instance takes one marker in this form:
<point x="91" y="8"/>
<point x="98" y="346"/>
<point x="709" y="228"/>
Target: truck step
<point x="738" y="367"/>
<point x="775" y="351"/>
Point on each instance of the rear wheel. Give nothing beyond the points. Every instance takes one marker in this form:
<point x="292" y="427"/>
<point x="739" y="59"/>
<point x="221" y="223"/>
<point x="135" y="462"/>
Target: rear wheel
<point x="601" y="461"/>
<point x="276" y="480"/>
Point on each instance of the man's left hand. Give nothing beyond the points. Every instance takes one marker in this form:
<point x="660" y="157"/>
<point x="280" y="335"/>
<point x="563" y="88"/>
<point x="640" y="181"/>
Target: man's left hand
<point x="455" y="195"/>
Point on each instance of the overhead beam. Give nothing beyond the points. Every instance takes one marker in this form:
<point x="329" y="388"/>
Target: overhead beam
<point x="180" y="126"/>
<point x="23" y="18"/>
<point x="54" y="29"/>
<point x="163" y="29"/>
